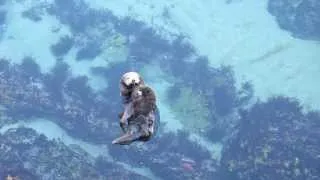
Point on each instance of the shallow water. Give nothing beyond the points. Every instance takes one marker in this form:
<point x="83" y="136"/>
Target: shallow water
<point x="209" y="63"/>
<point x="54" y="132"/>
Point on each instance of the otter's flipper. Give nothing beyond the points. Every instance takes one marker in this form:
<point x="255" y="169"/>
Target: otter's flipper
<point x="137" y="130"/>
<point x="124" y="127"/>
<point x="127" y="138"/>
<point x="120" y="115"/>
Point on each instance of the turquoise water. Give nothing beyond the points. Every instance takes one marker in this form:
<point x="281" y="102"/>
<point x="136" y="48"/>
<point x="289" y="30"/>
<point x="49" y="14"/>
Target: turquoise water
<point x="236" y="86"/>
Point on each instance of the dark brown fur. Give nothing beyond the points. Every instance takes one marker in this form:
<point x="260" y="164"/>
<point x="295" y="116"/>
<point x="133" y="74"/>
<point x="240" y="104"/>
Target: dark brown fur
<point x="145" y="103"/>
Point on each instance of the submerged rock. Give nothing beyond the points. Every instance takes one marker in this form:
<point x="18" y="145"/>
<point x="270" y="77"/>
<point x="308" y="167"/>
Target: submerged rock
<point x="301" y="18"/>
<point x="170" y="156"/>
<point x="275" y="140"/>
<point x="28" y="155"/>
<point x="26" y="94"/>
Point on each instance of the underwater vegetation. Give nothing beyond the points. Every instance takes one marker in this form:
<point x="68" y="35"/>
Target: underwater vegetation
<point x="166" y="155"/>
<point x="78" y="88"/>
<point x="68" y="100"/>
<point x="113" y="70"/>
<point x="78" y="16"/>
<point x="214" y="88"/>
<point x="54" y="81"/>
<point x="275" y="140"/>
<point x="62" y="47"/>
<point x="69" y="114"/>
<point x="106" y="168"/>
<point x="29" y="68"/>
<point x="191" y="109"/>
<point x="215" y="85"/>
<point x="301" y="18"/>
<point x="266" y="140"/>
<point x="34" y="14"/>
<point x="28" y="155"/>
<point x="90" y="51"/>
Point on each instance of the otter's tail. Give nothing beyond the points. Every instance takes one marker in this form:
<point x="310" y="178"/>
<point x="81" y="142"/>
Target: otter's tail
<point x="127" y="138"/>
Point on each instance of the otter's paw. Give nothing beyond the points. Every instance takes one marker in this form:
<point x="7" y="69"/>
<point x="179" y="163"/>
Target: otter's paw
<point x="120" y="115"/>
<point x="124" y="127"/>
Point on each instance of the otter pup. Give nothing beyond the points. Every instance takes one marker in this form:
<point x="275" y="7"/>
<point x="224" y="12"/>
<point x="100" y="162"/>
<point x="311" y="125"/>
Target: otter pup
<point x="137" y="120"/>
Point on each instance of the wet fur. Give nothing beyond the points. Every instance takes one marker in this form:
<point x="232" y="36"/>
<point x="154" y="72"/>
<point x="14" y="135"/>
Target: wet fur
<point x="141" y="102"/>
<point x="145" y="102"/>
<point x="137" y="119"/>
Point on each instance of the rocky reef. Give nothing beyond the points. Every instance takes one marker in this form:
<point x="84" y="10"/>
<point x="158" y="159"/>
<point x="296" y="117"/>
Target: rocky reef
<point x="301" y="18"/>
<point x="266" y="140"/>
<point x="28" y="155"/>
<point x="176" y="157"/>
<point x="275" y="140"/>
<point x="97" y="29"/>
<point x="70" y="102"/>
<point x="217" y="91"/>
<point x="26" y="93"/>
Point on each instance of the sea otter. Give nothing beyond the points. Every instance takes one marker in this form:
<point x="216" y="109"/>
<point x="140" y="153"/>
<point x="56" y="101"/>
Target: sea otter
<point x="138" y="118"/>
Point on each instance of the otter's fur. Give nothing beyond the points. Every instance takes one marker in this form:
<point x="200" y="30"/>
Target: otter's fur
<point x="137" y="120"/>
<point x="143" y="101"/>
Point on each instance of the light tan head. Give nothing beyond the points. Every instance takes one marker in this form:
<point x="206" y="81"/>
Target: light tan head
<point x="128" y="81"/>
<point x="130" y="78"/>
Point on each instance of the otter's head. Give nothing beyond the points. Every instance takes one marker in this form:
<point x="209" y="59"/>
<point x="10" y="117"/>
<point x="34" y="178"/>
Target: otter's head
<point x="129" y="81"/>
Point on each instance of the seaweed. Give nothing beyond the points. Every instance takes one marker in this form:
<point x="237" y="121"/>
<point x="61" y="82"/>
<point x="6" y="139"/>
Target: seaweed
<point x="63" y="46"/>
<point x="30" y="68"/>
<point x="274" y="136"/>
<point x="89" y="51"/>
<point x="33" y="14"/>
<point x="305" y="25"/>
<point x="78" y="88"/>
<point x="54" y="81"/>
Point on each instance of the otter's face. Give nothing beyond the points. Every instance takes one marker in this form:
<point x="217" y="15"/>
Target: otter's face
<point x="126" y="90"/>
<point x="127" y="84"/>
